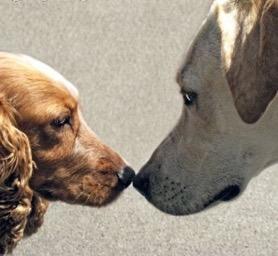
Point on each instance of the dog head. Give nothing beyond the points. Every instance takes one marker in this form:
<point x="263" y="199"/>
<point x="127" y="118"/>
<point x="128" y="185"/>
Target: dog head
<point x="47" y="147"/>
<point x="71" y="163"/>
<point x="226" y="133"/>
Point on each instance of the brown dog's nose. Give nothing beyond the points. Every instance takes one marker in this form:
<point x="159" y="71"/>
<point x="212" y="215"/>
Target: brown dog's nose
<point x="126" y="176"/>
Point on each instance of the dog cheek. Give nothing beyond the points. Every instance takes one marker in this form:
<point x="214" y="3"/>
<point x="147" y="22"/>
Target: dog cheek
<point x="91" y="190"/>
<point x="99" y="186"/>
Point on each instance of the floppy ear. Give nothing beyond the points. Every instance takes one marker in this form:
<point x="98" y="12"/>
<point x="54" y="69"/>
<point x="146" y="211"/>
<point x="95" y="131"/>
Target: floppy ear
<point x="15" y="172"/>
<point x="253" y="74"/>
<point x="36" y="217"/>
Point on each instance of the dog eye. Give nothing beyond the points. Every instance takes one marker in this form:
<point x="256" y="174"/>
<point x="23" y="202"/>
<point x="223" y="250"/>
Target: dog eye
<point x="61" y="122"/>
<point x="189" y="98"/>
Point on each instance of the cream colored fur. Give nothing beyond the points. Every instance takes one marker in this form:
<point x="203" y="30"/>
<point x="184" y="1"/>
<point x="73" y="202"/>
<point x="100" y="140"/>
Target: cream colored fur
<point x="211" y="147"/>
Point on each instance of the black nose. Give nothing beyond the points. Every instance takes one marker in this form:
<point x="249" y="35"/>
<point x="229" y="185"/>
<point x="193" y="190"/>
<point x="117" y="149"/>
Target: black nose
<point x="141" y="183"/>
<point x="126" y="176"/>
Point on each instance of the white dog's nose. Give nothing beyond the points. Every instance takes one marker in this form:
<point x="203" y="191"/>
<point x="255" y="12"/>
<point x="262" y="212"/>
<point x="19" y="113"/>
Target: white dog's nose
<point x="141" y="183"/>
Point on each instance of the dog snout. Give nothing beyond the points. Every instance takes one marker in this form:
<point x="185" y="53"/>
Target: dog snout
<point x="141" y="183"/>
<point x="126" y="176"/>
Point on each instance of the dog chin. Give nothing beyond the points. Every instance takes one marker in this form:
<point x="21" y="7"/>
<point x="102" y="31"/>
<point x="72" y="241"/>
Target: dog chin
<point x="178" y="209"/>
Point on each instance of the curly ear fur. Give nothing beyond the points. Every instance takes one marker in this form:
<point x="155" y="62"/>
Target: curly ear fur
<point x="35" y="219"/>
<point x="15" y="172"/>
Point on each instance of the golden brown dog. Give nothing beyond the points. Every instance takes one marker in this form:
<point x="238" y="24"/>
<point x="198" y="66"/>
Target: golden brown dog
<point x="46" y="149"/>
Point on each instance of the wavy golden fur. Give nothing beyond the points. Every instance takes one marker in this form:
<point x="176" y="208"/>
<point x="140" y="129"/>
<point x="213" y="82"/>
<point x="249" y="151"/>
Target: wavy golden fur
<point x="47" y="151"/>
<point x="15" y="172"/>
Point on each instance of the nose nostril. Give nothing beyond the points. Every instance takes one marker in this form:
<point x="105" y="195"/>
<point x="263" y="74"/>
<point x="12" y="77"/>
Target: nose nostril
<point x="126" y="176"/>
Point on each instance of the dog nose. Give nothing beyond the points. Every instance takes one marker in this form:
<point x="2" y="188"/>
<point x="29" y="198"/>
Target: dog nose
<point x="141" y="183"/>
<point x="126" y="176"/>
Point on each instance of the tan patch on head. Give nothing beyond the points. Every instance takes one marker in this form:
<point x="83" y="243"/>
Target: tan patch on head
<point x="250" y="55"/>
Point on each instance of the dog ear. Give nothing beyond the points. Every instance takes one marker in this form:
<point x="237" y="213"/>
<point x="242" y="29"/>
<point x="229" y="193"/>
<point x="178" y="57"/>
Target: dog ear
<point x="15" y="172"/>
<point x="36" y="217"/>
<point x="253" y="74"/>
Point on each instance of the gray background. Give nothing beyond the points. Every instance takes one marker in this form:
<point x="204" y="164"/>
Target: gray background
<point x="123" y="55"/>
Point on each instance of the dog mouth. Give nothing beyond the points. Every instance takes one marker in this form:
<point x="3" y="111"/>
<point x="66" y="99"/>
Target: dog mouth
<point x="225" y="195"/>
<point x="229" y="193"/>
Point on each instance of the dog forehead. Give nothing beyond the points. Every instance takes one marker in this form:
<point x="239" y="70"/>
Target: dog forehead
<point x="51" y="73"/>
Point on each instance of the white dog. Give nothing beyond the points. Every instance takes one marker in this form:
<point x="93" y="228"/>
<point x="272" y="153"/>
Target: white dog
<point x="228" y="130"/>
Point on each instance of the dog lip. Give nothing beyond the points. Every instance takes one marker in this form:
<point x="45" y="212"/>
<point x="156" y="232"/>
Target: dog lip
<point x="47" y="194"/>
<point x="227" y="194"/>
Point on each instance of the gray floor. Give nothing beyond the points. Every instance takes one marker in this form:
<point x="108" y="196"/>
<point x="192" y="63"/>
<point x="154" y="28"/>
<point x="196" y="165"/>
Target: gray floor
<point x="122" y="55"/>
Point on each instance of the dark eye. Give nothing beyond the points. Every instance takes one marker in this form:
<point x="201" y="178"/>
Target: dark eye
<point x="189" y="98"/>
<point x="60" y="122"/>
